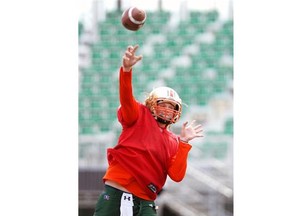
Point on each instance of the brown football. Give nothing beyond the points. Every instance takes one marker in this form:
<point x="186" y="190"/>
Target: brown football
<point x="133" y="18"/>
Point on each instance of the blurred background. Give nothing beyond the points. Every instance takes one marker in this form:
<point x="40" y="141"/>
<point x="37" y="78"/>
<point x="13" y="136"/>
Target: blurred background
<point x="186" y="45"/>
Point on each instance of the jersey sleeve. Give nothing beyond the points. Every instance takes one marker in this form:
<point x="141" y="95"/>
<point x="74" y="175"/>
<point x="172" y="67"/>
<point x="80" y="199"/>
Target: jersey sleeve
<point x="178" y="164"/>
<point x="129" y="109"/>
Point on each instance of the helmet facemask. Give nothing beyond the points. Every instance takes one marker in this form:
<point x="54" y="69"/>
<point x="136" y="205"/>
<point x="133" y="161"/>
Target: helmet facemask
<point x="166" y="115"/>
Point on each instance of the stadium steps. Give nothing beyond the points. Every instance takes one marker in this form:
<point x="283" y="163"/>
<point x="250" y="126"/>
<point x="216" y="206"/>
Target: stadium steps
<point x="209" y="191"/>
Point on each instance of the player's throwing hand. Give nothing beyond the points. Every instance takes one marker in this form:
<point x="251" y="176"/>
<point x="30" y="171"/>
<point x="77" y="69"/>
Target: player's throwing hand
<point x="129" y="58"/>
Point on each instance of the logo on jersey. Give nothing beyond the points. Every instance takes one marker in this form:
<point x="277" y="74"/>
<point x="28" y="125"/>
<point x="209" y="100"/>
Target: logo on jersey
<point x="152" y="187"/>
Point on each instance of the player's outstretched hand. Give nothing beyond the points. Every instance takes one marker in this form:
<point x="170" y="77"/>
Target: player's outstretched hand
<point x="189" y="132"/>
<point x="129" y="58"/>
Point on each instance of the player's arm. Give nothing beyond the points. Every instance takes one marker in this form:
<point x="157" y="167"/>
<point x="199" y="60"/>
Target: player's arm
<point x="178" y="163"/>
<point x="129" y="109"/>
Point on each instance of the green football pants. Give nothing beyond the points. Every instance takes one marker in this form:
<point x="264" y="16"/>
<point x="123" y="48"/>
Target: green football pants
<point x="109" y="204"/>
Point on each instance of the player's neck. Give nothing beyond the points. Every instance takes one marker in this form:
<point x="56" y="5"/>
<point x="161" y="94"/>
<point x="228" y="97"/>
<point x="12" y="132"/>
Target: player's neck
<point x="161" y="125"/>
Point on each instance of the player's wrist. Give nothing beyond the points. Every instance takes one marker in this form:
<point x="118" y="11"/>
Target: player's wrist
<point x="127" y="69"/>
<point x="183" y="139"/>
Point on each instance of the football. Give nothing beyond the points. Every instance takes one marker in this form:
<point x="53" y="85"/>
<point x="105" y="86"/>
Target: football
<point x="133" y="18"/>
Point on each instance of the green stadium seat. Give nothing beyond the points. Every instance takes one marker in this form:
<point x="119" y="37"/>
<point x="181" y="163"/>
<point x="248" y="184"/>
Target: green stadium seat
<point x="229" y="126"/>
<point x="212" y="16"/>
<point x="80" y="29"/>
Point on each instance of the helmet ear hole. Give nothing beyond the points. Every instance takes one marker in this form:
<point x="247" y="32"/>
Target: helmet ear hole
<point x="177" y="107"/>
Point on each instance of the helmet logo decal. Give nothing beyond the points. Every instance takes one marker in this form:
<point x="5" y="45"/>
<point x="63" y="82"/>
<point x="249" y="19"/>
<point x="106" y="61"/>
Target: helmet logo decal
<point x="170" y="93"/>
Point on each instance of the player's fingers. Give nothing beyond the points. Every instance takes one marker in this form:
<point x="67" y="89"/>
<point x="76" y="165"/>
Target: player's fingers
<point x="185" y="124"/>
<point x="198" y="127"/>
<point x="128" y="54"/>
<point x="125" y="58"/>
<point x="130" y="47"/>
<point x="198" y="131"/>
<point x="135" y="48"/>
<point x="193" y="121"/>
<point x="138" y="58"/>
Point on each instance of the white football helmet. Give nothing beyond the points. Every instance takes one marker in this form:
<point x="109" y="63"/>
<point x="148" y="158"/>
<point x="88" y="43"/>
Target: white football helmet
<point x="163" y="114"/>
